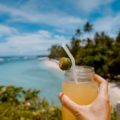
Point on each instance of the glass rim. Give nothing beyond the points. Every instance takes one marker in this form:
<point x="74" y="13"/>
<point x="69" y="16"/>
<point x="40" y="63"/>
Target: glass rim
<point x="89" y="69"/>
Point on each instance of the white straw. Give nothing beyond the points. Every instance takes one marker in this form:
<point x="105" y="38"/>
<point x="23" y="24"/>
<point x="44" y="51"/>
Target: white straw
<point x="72" y="60"/>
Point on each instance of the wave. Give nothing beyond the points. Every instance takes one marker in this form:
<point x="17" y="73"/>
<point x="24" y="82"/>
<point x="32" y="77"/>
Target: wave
<point x="1" y="60"/>
<point x="15" y="58"/>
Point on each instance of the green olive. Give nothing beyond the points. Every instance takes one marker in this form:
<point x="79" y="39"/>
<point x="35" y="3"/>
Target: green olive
<point x="65" y="63"/>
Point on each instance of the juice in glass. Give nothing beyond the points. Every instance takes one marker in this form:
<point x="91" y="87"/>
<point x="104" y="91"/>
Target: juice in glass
<point x="83" y="93"/>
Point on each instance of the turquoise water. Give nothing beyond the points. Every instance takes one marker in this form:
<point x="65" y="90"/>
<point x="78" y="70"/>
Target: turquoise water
<point x="34" y="74"/>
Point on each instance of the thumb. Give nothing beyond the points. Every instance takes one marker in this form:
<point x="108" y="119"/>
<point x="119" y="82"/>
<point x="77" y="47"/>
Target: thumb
<point x="68" y="103"/>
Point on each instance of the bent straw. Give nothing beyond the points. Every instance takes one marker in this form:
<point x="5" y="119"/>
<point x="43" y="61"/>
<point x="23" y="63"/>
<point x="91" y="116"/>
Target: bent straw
<point x="72" y="60"/>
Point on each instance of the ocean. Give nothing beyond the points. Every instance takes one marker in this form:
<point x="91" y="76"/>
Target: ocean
<point x="32" y="73"/>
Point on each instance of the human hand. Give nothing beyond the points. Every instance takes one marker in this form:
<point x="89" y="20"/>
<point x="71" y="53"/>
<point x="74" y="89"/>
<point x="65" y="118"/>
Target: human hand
<point x="99" y="109"/>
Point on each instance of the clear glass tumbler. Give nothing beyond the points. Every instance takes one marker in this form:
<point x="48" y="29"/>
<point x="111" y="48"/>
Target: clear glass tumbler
<point x="83" y="93"/>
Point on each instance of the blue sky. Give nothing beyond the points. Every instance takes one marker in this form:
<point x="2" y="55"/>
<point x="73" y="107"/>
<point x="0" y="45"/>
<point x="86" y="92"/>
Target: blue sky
<point x="32" y="26"/>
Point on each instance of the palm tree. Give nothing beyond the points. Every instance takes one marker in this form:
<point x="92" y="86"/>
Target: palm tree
<point x="77" y="33"/>
<point x="87" y="27"/>
<point x="118" y="37"/>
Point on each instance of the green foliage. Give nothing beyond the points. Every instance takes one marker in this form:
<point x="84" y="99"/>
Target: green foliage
<point x="56" y="51"/>
<point x="101" y="52"/>
<point x="75" y="45"/>
<point x="114" y="115"/>
<point x="87" y="27"/>
<point x="17" y="103"/>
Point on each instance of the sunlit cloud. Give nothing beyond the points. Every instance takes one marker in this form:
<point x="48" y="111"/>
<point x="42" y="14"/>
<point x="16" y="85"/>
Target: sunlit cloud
<point x="109" y="24"/>
<point x="52" y="19"/>
<point x="6" y="30"/>
<point x="91" y="5"/>
<point x="29" y="43"/>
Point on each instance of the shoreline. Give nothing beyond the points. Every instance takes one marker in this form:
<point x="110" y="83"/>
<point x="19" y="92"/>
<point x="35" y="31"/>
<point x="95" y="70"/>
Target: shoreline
<point x="114" y="91"/>
<point x="52" y="63"/>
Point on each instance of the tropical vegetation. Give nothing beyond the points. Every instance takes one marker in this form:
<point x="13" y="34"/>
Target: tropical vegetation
<point x="17" y="103"/>
<point x="101" y="52"/>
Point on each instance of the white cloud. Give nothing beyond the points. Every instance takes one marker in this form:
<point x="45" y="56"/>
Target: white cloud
<point x="109" y="24"/>
<point x="6" y="30"/>
<point x="36" y="42"/>
<point x="90" y="5"/>
<point x="30" y="43"/>
<point x="60" y="20"/>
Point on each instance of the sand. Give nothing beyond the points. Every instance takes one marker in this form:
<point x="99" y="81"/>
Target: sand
<point x="114" y="92"/>
<point x="52" y="63"/>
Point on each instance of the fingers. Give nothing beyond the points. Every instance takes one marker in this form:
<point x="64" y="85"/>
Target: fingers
<point x="68" y="103"/>
<point x="98" y="79"/>
<point x="109" y="112"/>
<point x="103" y="84"/>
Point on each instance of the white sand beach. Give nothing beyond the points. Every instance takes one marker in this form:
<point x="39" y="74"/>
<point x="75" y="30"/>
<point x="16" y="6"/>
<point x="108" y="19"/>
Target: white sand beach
<point x="52" y="63"/>
<point x="114" y="92"/>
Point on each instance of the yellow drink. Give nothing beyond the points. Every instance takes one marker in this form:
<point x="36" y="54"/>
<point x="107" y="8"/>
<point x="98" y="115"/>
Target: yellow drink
<point x="82" y="93"/>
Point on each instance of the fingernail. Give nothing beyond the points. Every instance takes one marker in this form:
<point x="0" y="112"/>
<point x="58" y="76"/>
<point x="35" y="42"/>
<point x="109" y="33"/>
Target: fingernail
<point x="61" y="95"/>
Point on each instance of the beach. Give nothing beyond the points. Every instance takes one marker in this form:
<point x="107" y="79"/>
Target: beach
<point x="52" y="63"/>
<point x="114" y="92"/>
